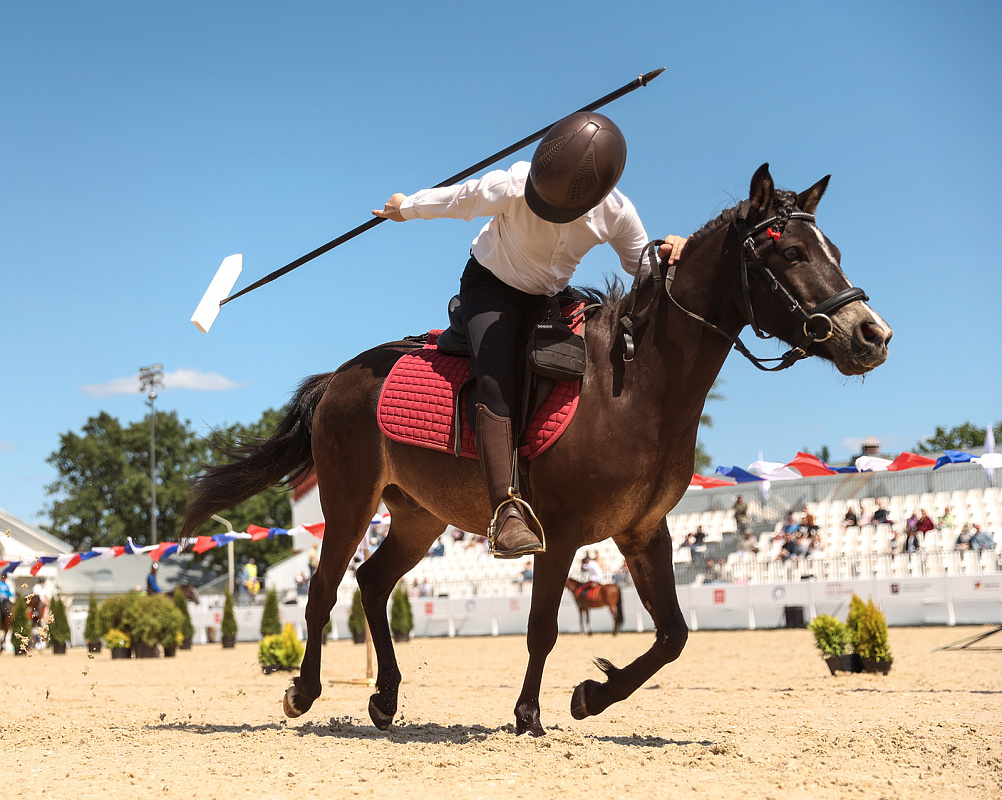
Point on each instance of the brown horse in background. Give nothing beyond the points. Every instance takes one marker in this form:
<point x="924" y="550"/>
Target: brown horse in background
<point x="623" y="463"/>
<point x="596" y="595"/>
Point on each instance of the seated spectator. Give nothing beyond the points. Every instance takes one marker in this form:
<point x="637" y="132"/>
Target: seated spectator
<point x="815" y="547"/>
<point x="982" y="540"/>
<point x="748" y="544"/>
<point x="913" y="541"/>
<point x="699" y="536"/>
<point x="964" y="538"/>
<point x="897" y="543"/>
<point x="925" y="523"/>
<point x="711" y="571"/>
<point x="790" y="525"/>
<point x="621" y="577"/>
<point x="807" y="522"/>
<point x="947" y="520"/>
<point x="525" y="576"/>
<point x="789" y="548"/>
<point x="879" y="516"/>
<point x="424" y="589"/>
<point x="912" y="521"/>
<point x="850" y="520"/>
<point x="438" y="549"/>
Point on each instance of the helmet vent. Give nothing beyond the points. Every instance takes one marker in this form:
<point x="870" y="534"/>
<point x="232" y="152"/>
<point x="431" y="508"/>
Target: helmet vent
<point x="586" y="179"/>
<point x="546" y="153"/>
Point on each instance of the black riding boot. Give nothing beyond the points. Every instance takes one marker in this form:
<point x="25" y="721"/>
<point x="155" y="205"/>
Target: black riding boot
<point x="510" y="535"/>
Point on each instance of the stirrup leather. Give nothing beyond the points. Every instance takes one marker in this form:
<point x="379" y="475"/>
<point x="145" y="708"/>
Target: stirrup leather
<point x="493" y="528"/>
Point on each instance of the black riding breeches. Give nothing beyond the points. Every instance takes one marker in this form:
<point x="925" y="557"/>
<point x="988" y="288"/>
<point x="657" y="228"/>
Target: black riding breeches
<point x="496" y="317"/>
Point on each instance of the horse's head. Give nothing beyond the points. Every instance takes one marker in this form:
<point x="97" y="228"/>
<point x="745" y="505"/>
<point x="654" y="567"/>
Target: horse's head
<point x="794" y="287"/>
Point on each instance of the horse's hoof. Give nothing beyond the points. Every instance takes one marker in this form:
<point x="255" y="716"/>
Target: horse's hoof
<point x="380" y="718"/>
<point x="579" y="705"/>
<point x="530" y="726"/>
<point x="289" y="704"/>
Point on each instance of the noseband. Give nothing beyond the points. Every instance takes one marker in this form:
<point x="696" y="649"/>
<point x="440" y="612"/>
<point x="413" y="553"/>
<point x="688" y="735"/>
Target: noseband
<point x="817" y="323"/>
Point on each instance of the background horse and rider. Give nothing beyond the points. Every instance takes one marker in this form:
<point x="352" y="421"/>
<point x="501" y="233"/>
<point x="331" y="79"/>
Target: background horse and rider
<point x="622" y="464"/>
<point x="589" y="595"/>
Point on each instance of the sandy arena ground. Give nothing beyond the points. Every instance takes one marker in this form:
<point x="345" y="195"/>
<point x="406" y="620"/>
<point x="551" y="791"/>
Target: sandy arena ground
<point x="747" y="714"/>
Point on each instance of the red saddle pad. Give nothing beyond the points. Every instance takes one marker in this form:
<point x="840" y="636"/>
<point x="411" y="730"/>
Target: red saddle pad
<point x="417" y="404"/>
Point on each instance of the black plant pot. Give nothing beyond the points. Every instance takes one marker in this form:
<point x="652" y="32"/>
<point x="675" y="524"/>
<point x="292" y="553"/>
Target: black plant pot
<point x="59" y="648"/>
<point x="171" y="651"/>
<point x="401" y="636"/>
<point x="847" y="663"/>
<point x="186" y="644"/>
<point x="143" y="650"/>
<point x="121" y="652"/>
<point x="93" y="647"/>
<point x="358" y="638"/>
<point x="229" y="641"/>
<point x="880" y="667"/>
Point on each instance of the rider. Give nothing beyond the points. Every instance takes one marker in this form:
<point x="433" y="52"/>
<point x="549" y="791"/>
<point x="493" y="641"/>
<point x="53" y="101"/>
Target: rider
<point x="545" y="216"/>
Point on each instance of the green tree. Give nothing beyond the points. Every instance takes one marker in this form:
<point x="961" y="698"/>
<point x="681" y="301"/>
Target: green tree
<point x="103" y="486"/>
<point x="960" y="437"/>
<point x="269" y="509"/>
<point x="102" y="491"/>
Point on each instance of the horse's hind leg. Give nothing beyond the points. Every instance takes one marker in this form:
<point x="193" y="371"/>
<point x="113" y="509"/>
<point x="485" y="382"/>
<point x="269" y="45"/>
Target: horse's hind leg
<point x="654" y="577"/>
<point x="412" y="532"/>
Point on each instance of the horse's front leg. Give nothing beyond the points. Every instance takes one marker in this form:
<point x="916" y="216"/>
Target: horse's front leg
<point x="341" y="538"/>
<point x="549" y="573"/>
<point x="411" y="533"/>
<point x="654" y="578"/>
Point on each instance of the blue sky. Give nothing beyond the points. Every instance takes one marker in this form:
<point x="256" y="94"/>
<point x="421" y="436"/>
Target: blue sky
<point x="141" y="144"/>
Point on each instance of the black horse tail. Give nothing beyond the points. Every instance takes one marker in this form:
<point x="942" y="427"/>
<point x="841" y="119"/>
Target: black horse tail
<point x="619" y="608"/>
<point x="261" y="463"/>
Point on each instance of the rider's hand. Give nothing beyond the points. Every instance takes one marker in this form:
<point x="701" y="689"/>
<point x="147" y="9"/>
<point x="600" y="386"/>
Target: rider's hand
<point x="672" y="249"/>
<point x="392" y="208"/>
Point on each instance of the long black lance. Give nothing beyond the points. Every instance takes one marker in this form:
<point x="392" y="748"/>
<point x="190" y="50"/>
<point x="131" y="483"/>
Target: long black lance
<point x="206" y="313"/>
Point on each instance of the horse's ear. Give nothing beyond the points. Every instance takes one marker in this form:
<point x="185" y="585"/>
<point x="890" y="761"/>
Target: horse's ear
<point x="761" y="192"/>
<point x="809" y="200"/>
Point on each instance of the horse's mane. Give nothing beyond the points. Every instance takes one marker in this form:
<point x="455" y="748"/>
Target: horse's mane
<point x="615" y="292"/>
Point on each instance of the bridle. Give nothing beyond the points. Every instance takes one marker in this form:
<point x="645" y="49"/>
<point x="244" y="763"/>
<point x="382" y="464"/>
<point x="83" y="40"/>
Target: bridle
<point x="816" y="323"/>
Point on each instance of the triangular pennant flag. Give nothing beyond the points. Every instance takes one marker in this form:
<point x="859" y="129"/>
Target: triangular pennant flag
<point x="809" y="465"/>
<point x="910" y="461"/>
<point x="952" y="457"/>
<point x="739" y="475"/>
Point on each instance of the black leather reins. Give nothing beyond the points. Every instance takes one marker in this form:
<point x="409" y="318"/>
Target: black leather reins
<point x="817" y="324"/>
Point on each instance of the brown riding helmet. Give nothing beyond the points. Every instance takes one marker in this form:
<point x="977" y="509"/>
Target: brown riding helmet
<point x="578" y="162"/>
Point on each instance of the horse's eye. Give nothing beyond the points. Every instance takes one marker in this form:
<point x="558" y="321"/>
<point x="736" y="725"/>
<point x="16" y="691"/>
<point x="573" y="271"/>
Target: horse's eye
<point x="791" y="254"/>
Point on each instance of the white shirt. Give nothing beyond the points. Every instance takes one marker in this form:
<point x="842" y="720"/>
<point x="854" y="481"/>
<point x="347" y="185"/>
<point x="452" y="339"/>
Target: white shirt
<point x="593" y="571"/>
<point x="524" y="251"/>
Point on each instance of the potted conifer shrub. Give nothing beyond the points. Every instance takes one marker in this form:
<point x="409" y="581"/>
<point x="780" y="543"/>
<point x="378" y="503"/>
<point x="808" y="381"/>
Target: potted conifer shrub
<point x="119" y="643"/>
<point x="118" y="614"/>
<point x="92" y="627"/>
<point x="59" y="628"/>
<point x="872" y="644"/>
<point x="20" y="627"/>
<point x="832" y="638"/>
<point x="187" y="628"/>
<point x="156" y="623"/>
<point x="356" y="618"/>
<point x="228" y="626"/>
<point x="280" y="651"/>
<point x="401" y="616"/>
<point x="271" y="623"/>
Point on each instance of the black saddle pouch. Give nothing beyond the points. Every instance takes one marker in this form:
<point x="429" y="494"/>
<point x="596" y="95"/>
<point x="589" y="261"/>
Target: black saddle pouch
<point x="555" y="351"/>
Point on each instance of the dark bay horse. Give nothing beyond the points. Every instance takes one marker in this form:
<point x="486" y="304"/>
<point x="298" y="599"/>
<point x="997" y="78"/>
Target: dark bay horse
<point x="623" y="463"/>
<point x="596" y="595"/>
